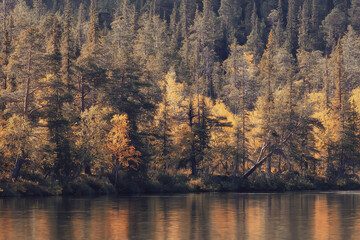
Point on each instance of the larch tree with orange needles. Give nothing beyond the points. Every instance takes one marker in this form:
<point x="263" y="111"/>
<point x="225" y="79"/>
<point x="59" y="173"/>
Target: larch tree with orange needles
<point x="124" y="155"/>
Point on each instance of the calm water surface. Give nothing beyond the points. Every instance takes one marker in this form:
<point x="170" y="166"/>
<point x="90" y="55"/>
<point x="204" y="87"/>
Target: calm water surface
<point x="331" y="215"/>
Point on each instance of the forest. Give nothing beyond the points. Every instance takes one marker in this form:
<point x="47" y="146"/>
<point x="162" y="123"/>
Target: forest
<point x="128" y="96"/>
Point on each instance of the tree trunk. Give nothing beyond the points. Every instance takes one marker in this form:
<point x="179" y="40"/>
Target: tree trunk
<point x="87" y="169"/>
<point x="16" y="171"/>
<point x="116" y="172"/>
<point x="236" y="170"/>
<point x="4" y="15"/>
<point x="193" y="161"/>
<point x="27" y="90"/>
<point x="256" y="166"/>
<point x="262" y="158"/>
<point x="268" y="169"/>
<point x="280" y="160"/>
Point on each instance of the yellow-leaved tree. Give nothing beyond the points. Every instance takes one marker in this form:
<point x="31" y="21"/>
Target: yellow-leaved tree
<point x="90" y="133"/>
<point x="166" y="123"/>
<point x="23" y="143"/>
<point x="124" y="155"/>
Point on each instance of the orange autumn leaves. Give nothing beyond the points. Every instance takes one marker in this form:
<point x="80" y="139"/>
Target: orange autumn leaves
<point x="119" y="144"/>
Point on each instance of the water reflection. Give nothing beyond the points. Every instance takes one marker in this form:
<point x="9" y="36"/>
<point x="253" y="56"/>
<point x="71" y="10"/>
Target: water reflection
<point x="192" y="216"/>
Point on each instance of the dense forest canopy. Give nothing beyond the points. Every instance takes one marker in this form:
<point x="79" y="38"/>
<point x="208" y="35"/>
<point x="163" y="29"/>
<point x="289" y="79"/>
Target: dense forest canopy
<point x="141" y="89"/>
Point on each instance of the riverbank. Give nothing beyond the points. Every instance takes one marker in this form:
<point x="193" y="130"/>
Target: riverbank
<point x="36" y="185"/>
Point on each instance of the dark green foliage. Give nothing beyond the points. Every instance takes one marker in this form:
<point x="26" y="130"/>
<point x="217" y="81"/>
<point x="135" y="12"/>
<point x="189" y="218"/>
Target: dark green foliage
<point x="291" y="27"/>
<point x="60" y="58"/>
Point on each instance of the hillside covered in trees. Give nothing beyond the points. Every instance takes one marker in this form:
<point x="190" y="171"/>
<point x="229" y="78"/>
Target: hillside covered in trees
<point x="179" y="95"/>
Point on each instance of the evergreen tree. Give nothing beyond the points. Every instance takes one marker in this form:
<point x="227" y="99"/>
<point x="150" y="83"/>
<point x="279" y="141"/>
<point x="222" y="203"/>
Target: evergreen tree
<point x="237" y="95"/>
<point x="67" y="48"/>
<point x="354" y="15"/>
<point x="230" y="13"/>
<point x="123" y="27"/>
<point x="187" y="11"/>
<point x="53" y="48"/>
<point x="164" y="119"/>
<point x="39" y="8"/>
<point x="202" y="43"/>
<point x="334" y="27"/>
<point x="267" y="109"/>
<point x="174" y="30"/>
<point x="56" y="96"/>
<point x="254" y="41"/>
<point x="25" y="64"/>
<point x="304" y="28"/>
<point x="316" y="37"/>
<point x="340" y="106"/>
<point x="4" y="58"/>
<point x="291" y="27"/>
<point x="89" y="63"/>
<point x="351" y="48"/>
<point x="79" y="38"/>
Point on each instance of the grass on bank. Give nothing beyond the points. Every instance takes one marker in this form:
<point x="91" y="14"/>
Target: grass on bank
<point x="35" y="184"/>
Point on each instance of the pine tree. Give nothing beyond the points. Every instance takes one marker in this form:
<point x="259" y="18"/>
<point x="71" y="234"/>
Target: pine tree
<point x="124" y="28"/>
<point x="53" y="48"/>
<point x="280" y="11"/>
<point x="39" y="8"/>
<point x="4" y="58"/>
<point x="267" y="66"/>
<point x="229" y="14"/>
<point x="316" y="38"/>
<point x="334" y="27"/>
<point x="90" y="64"/>
<point x="237" y="95"/>
<point x="254" y="41"/>
<point x="354" y="15"/>
<point x="304" y="28"/>
<point x="93" y="34"/>
<point x="164" y="123"/>
<point x="309" y="65"/>
<point x="66" y="48"/>
<point x="202" y="43"/>
<point x="291" y="27"/>
<point x="79" y="40"/>
<point x="56" y="97"/>
<point x="351" y="48"/>
<point x="25" y="64"/>
<point x="340" y="105"/>
<point x="187" y="12"/>
<point x="174" y="30"/>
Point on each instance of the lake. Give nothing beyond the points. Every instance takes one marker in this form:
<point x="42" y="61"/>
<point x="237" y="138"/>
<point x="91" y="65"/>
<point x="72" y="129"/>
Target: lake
<point x="310" y="215"/>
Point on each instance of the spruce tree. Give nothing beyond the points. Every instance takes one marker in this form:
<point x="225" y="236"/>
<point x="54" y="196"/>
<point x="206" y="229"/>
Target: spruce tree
<point x="354" y="15"/>
<point x="291" y="28"/>
<point x="304" y="41"/>
<point x="91" y="75"/>
<point x="254" y="40"/>
<point x="67" y="49"/>
<point x="56" y="97"/>
<point x="25" y="64"/>
<point x="39" y="8"/>
<point x="79" y="38"/>
<point x="4" y="58"/>
<point x="267" y="111"/>
<point x="340" y="105"/>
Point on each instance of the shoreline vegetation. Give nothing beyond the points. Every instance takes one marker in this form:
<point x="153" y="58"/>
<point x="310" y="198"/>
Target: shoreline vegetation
<point x="163" y="96"/>
<point x="30" y="185"/>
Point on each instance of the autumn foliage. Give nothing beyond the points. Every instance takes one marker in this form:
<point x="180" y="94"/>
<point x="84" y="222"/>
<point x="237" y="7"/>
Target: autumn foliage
<point x="152" y="90"/>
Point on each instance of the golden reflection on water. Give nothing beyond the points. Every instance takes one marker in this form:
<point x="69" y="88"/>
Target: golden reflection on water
<point x="191" y="216"/>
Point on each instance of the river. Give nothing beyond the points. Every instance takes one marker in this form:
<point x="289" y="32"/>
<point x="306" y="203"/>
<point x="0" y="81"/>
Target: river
<point x="206" y="216"/>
